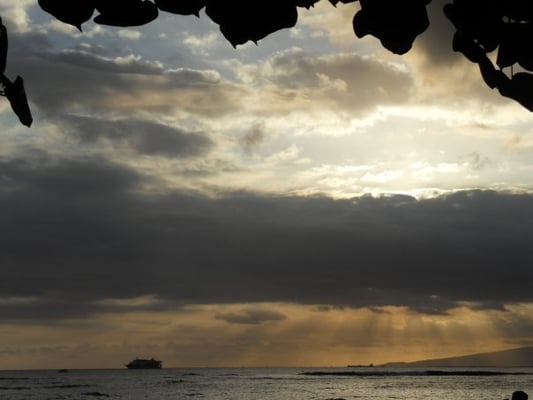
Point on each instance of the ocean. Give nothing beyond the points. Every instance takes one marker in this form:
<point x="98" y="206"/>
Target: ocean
<point x="267" y="384"/>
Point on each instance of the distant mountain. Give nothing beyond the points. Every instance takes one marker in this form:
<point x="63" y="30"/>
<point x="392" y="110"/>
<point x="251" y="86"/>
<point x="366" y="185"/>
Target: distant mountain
<point x="521" y="357"/>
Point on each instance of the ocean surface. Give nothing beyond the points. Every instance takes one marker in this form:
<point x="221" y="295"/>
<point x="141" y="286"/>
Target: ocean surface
<point x="268" y="384"/>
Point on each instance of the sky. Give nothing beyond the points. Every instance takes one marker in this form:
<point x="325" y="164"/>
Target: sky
<point x="312" y="200"/>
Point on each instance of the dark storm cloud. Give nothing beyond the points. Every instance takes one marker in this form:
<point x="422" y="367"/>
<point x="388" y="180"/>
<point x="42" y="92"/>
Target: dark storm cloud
<point x="251" y="316"/>
<point x="144" y="137"/>
<point x="36" y="171"/>
<point x="78" y="232"/>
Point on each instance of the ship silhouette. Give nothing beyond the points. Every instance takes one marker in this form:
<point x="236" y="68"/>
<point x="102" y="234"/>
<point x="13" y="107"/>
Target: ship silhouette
<point x="140" y="363"/>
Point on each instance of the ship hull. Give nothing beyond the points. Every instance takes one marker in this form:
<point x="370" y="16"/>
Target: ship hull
<point x="144" y="364"/>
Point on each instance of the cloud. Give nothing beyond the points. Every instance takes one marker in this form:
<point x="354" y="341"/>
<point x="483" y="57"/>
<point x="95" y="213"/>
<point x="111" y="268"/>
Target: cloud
<point x="322" y="17"/>
<point x="38" y="172"/>
<point x="436" y="41"/>
<point x="478" y="161"/>
<point x="129" y="34"/>
<point x="86" y="58"/>
<point x="194" y="336"/>
<point x="85" y="230"/>
<point x="94" y="233"/>
<point x="187" y="76"/>
<point x="15" y="12"/>
<point x="93" y="79"/>
<point x="348" y="82"/>
<point x="201" y="44"/>
<point x="445" y="77"/>
<point x="144" y="137"/>
<point x="251" y="316"/>
<point x="253" y="138"/>
<point x="89" y="79"/>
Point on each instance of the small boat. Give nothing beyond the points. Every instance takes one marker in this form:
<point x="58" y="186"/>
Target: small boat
<point x="140" y="363"/>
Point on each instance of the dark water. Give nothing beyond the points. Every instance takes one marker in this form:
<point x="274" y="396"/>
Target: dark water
<point x="267" y="383"/>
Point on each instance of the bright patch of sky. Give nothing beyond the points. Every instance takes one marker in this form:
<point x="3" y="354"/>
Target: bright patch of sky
<point x="310" y="109"/>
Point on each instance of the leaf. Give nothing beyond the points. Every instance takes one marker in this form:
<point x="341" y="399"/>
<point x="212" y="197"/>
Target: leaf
<point x="240" y="22"/>
<point x="396" y="24"/>
<point x="520" y="10"/>
<point x="468" y="47"/>
<point x="125" y="13"/>
<point x="307" y="3"/>
<point x="519" y="88"/>
<point x="334" y="2"/>
<point x="479" y="19"/>
<point x="71" y="12"/>
<point x="183" y="7"/>
<point x="16" y="95"/>
<point x="492" y="76"/>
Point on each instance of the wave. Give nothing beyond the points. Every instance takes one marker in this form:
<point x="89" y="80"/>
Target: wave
<point x="14" y="387"/>
<point x="8" y="378"/>
<point x="66" y="386"/>
<point x="95" y="394"/>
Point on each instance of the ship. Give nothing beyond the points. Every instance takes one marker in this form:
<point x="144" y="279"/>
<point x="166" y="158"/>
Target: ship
<point x="140" y="363"/>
